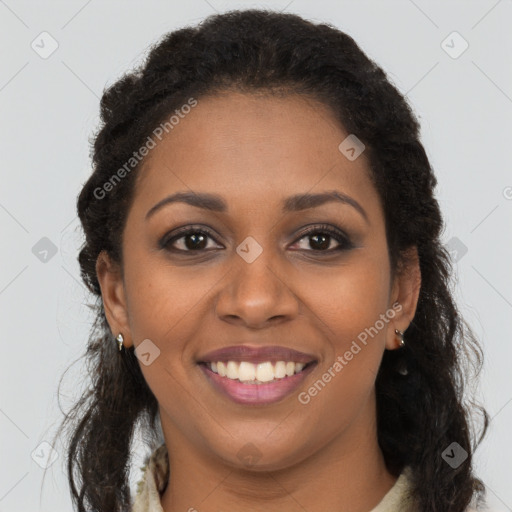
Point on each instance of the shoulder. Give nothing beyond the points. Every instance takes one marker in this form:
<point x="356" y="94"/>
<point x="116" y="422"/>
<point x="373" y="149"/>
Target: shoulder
<point x="155" y="475"/>
<point x="400" y="497"/>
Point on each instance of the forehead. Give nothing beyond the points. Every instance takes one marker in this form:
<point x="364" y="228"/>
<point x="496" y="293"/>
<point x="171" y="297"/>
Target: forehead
<point x="255" y="148"/>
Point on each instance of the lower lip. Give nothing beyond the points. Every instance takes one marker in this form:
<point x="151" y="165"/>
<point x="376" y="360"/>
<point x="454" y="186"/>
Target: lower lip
<point x="256" y="394"/>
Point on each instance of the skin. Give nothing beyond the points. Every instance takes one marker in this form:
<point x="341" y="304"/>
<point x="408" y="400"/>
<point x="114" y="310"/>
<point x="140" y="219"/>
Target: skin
<point x="256" y="150"/>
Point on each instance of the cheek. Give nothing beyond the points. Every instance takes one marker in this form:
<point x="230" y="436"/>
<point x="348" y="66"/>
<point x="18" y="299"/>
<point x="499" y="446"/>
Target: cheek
<point x="160" y="297"/>
<point x="352" y="306"/>
<point x="163" y="306"/>
<point x="351" y="298"/>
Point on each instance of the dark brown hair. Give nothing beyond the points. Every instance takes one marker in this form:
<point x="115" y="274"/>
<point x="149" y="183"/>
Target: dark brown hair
<point x="420" y="413"/>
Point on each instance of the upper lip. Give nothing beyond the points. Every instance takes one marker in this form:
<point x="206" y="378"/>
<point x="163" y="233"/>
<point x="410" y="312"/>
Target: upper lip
<point x="256" y="355"/>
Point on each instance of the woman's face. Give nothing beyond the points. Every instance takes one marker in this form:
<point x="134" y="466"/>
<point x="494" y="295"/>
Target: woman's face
<point x="256" y="279"/>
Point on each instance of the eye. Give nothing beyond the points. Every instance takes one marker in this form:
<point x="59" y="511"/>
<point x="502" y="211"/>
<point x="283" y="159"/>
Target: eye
<point x="321" y="238"/>
<point x="191" y="240"/>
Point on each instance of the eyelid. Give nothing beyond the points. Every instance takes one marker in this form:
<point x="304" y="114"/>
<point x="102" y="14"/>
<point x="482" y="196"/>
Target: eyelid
<point x="344" y="240"/>
<point x="184" y="230"/>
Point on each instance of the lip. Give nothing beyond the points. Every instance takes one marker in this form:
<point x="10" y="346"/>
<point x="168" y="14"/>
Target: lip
<point x="256" y="355"/>
<point x="256" y="394"/>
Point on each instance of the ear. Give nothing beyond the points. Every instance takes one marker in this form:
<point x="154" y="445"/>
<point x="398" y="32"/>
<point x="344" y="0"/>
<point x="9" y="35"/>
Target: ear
<point x="113" y="295"/>
<point x="405" y="291"/>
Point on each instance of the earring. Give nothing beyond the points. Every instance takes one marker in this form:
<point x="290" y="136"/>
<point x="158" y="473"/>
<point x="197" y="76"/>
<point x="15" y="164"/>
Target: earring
<point x="401" y="334"/>
<point x="120" y="340"/>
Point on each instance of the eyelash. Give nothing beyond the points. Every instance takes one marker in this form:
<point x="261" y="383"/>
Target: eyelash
<point x="343" y="240"/>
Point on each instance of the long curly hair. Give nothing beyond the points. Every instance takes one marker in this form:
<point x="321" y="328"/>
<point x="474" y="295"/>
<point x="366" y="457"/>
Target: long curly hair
<point x="420" y="412"/>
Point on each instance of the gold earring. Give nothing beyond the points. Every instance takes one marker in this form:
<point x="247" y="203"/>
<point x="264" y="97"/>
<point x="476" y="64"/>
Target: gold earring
<point x="401" y="334"/>
<point x="120" y="340"/>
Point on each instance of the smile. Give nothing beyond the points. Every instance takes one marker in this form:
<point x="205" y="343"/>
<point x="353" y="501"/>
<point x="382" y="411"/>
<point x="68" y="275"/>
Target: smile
<point x="257" y="384"/>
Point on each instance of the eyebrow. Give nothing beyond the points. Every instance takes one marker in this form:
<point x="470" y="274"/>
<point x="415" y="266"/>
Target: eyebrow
<point x="295" y="203"/>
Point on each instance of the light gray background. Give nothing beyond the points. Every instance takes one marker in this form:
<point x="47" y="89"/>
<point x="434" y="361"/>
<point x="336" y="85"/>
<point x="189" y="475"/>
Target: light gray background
<point x="49" y="109"/>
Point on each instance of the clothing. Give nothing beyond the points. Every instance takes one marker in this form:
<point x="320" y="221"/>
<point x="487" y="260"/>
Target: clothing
<point x="156" y="475"/>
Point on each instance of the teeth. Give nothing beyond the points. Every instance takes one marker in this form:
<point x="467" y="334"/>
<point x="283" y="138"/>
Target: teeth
<point x="232" y="370"/>
<point x="221" y="369"/>
<point x="290" y="369"/>
<point x="264" y="372"/>
<point x="280" y="369"/>
<point x="247" y="371"/>
<point x="255" y="373"/>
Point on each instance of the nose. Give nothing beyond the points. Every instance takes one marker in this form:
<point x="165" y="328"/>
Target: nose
<point x="256" y="295"/>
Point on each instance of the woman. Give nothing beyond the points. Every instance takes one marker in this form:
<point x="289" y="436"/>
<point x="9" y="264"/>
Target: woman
<point x="274" y="312"/>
